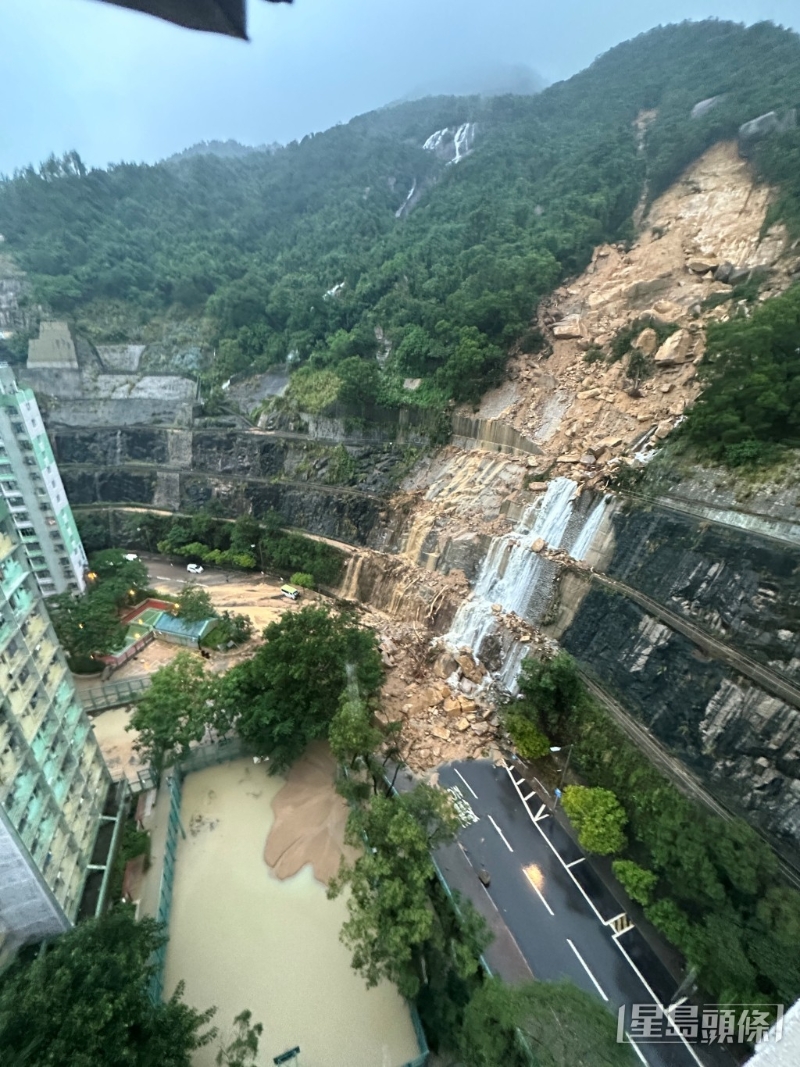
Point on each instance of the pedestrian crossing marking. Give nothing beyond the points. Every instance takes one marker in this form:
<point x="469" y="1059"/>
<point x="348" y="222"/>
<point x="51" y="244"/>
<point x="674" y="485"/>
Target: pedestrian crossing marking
<point x="463" y="808"/>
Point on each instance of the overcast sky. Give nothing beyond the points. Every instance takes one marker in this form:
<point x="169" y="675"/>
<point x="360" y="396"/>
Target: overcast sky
<point x="119" y="85"/>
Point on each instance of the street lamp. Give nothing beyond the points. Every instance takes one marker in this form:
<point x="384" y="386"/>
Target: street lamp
<point x="558" y="748"/>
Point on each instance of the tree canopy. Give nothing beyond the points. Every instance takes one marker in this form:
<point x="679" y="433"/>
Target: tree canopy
<point x="83" y="1001"/>
<point x="301" y="256"/>
<point x="286" y="695"/>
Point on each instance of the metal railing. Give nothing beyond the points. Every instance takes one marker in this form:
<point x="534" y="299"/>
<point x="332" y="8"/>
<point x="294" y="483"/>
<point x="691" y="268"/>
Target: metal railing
<point x="113" y="694"/>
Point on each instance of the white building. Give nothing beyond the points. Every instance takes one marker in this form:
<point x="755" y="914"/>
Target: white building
<point x="32" y="489"/>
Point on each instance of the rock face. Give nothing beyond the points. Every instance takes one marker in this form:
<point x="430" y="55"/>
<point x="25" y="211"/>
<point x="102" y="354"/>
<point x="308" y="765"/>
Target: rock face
<point x="750" y="133"/>
<point x="743" y="742"/>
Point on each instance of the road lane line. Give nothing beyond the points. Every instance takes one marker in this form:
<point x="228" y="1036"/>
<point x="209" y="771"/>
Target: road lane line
<point x="466" y="783"/>
<point x="528" y="797"/>
<point x="598" y="987"/>
<point x="557" y="854"/>
<point x="537" y="891"/>
<point x="576" y="862"/>
<point x="539" y="812"/>
<point x="502" y="835"/>
<point x="655" y="999"/>
<point x="636" y="1049"/>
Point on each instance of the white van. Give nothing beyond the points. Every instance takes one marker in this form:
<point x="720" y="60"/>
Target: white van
<point x="290" y="592"/>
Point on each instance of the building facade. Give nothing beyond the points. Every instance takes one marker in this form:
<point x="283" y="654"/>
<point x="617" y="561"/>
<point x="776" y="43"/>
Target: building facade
<point x="53" y="778"/>
<point x="32" y="488"/>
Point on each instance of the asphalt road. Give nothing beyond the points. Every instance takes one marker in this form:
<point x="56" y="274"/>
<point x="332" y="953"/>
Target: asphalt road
<point x="561" y="931"/>
<point x="175" y="574"/>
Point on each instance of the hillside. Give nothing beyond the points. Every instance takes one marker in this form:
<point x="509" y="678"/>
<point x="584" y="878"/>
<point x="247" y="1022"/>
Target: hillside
<point x="360" y="242"/>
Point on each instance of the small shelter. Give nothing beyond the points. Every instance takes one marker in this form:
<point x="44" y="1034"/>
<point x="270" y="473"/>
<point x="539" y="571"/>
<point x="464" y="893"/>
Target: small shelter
<point x="180" y="632"/>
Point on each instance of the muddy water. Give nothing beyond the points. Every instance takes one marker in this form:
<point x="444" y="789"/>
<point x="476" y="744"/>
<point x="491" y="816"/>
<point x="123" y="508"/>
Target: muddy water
<point x="240" y="938"/>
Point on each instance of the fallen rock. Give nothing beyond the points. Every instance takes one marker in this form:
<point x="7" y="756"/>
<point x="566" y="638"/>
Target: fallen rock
<point x="538" y="544"/>
<point x="445" y="665"/>
<point x="674" y="350"/>
<point x="452" y="706"/>
<point x="701" y="265"/>
<point x="443" y="735"/>
<point x="662" y="430"/>
<point x="462" y="725"/>
<point x="568" y="328"/>
<point x="647" y="341"/>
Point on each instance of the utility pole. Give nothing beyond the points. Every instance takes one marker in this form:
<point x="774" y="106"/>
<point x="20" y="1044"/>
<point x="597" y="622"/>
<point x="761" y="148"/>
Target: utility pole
<point x="558" y="791"/>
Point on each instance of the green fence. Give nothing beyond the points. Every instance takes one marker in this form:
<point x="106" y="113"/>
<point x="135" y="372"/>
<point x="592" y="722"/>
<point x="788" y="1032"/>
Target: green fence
<point x="113" y="694"/>
<point x="174" y="827"/>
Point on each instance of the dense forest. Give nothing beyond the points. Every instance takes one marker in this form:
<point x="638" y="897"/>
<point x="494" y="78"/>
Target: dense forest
<point x="298" y="254"/>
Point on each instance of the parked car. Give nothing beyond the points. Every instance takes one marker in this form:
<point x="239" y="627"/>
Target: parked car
<point x="194" y="568"/>
<point x="131" y="556"/>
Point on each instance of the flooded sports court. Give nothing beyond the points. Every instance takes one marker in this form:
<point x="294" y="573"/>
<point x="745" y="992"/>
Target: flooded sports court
<point x="240" y="937"/>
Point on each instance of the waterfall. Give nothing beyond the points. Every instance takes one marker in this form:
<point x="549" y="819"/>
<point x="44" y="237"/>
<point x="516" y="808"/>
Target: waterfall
<point x="520" y="580"/>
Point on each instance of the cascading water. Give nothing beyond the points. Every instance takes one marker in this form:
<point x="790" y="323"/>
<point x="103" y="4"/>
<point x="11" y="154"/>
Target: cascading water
<point x="520" y="580"/>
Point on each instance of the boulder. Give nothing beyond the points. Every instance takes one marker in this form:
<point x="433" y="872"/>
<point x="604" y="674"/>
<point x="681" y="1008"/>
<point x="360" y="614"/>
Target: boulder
<point x="462" y="725"/>
<point x="588" y="459"/>
<point x="569" y="328"/>
<point x="538" y="544"/>
<point x="702" y="265"/>
<point x="647" y="341"/>
<point x="443" y="735"/>
<point x="750" y="133"/>
<point x="445" y="665"/>
<point x="472" y="670"/>
<point x="702" y="107"/>
<point x="662" y="430"/>
<point x="452" y="707"/>
<point x="723" y="272"/>
<point x="674" y="351"/>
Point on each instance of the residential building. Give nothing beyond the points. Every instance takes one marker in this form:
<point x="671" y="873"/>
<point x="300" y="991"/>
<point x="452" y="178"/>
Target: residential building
<point x="32" y="488"/>
<point x="53" y="779"/>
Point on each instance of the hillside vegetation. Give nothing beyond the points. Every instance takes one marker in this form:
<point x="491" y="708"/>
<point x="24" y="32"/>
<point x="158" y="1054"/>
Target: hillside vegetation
<point x="253" y="244"/>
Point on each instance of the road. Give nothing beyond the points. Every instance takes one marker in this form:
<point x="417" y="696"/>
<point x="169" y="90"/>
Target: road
<point x="563" y="920"/>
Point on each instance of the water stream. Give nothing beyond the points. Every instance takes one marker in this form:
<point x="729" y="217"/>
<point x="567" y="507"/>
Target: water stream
<point x="520" y="580"/>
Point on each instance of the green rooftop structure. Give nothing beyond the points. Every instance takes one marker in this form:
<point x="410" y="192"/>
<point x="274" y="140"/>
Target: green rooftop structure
<point x="32" y="488"/>
<point x="53" y="778"/>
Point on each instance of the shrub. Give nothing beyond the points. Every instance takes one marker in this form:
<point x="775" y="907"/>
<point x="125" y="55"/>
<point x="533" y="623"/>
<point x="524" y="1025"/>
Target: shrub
<point x="529" y="741"/>
<point x="598" y="817"/>
<point x="302" y="579"/>
<point x="637" y="882"/>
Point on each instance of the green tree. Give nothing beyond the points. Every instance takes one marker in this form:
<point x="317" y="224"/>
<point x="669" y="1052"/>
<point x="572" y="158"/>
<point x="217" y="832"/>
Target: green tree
<point x="637" y="882"/>
<point x="540" y="1024"/>
<point x="529" y="741"/>
<point x="126" y="578"/>
<point x="174" y="711"/>
<point x="390" y="914"/>
<point x="86" y="625"/>
<point x="242" y="1049"/>
<point x="83" y="1001"/>
<point x="551" y="690"/>
<point x="288" y="693"/>
<point x="359" y="381"/>
<point x="194" y="603"/>
<point x="598" y="817"/>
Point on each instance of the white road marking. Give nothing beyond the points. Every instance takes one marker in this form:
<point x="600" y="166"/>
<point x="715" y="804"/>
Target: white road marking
<point x="557" y="854"/>
<point x="531" y="794"/>
<point x="502" y="835"/>
<point x="540" y="811"/>
<point x="576" y="862"/>
<point x="538" y="893"/>
<point x="636" y="1049"/>
<point x="610" y="922"/>
<point x="466" y="783"/>
<point x="655" y="1000"/>
<point x="598" y="987"/>
<point x="520" y="782"/>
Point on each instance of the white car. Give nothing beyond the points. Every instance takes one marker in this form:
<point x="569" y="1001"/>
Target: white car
<point x="194" y="568"/>
<point x="131" y="556"/>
